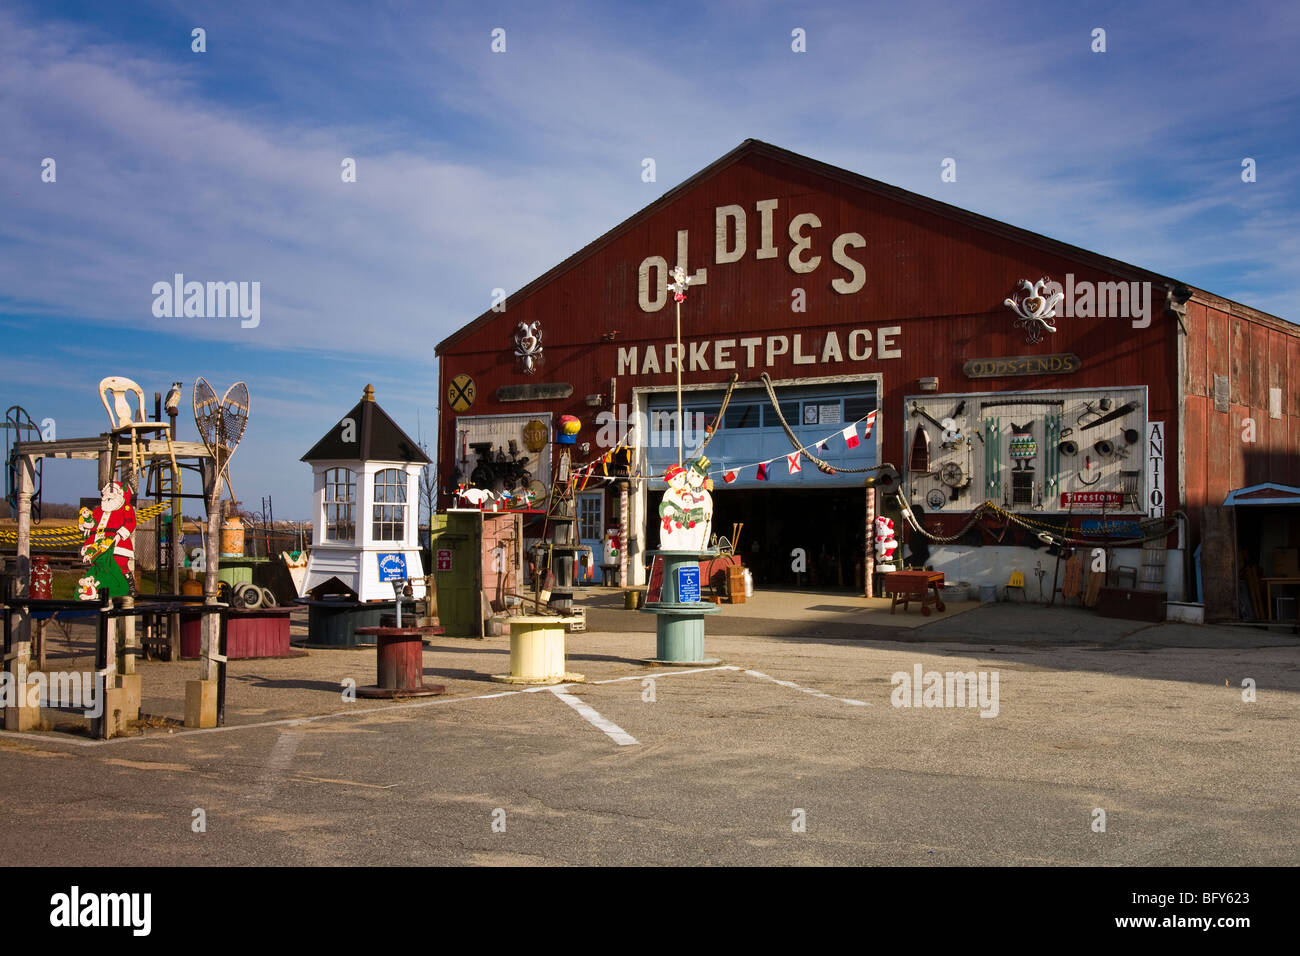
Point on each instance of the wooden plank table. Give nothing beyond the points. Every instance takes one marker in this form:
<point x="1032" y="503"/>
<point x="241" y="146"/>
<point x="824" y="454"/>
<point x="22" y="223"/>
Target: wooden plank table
<point x="908" y="586"/>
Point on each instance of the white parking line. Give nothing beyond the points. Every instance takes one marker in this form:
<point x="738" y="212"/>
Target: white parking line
<point x="282" y="752"/>
<point x="666" y="672"/>
<point x="808" y="690"/>
<point x="593" y="717"/>
<point x="655" y="673"/>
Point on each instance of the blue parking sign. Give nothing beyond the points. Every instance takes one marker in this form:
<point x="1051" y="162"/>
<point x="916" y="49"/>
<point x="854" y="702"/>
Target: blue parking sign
<point x="688" y="584"/>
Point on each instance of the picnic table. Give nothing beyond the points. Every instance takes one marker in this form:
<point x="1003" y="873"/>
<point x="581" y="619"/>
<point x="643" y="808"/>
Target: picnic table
<point x="908" y="586"/>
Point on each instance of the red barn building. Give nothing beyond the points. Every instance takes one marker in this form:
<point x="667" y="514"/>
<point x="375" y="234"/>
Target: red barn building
<point x="1106" y="395"/>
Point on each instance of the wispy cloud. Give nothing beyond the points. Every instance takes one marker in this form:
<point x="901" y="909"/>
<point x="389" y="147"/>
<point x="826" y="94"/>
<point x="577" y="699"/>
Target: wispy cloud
<point x="478" y="170"/>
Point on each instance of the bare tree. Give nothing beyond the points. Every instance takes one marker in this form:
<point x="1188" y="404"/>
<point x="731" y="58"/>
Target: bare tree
<point x="428" y="490"/>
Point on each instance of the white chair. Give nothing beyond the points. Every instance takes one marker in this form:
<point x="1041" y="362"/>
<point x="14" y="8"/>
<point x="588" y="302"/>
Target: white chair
<point x="114" y="392"/>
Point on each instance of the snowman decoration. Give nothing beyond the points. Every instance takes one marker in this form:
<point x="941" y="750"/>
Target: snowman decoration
<point x="886" y="544"/>
<point x="686" y="512"/>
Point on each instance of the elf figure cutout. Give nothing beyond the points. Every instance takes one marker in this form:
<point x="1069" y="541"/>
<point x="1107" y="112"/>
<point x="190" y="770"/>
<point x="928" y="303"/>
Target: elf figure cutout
<point x="109" y="547"/>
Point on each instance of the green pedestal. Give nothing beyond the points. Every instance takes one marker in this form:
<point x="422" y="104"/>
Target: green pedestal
<point x="235" y="574"/>
<point x="679" y="626"/>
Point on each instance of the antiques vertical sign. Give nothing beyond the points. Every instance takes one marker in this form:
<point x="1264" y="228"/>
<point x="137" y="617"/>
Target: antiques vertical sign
<point x="1155" y="469"/>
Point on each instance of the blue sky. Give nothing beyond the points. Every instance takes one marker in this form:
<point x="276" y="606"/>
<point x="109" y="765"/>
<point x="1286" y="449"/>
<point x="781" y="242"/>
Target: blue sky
<point x="478" y="170"/>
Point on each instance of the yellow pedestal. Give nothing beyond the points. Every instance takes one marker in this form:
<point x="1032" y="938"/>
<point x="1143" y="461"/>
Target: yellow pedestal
<point x="115" y="712"/>
<point x="22" y="717"/>
<point x="537" y="652"/>
<point x="130" y="685"/>
<point x="200" y="703"/>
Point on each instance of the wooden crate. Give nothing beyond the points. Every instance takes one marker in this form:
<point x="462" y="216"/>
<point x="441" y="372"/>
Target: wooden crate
<point x="736" y="584"/>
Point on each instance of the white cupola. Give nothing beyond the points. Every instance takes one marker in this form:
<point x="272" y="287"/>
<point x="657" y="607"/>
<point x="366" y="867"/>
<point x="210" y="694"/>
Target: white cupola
<point x="365" y="488"/>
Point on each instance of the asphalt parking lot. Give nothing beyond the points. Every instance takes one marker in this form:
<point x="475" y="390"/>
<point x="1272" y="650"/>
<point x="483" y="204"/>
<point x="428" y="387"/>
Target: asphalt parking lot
<point x="791" y="751"/>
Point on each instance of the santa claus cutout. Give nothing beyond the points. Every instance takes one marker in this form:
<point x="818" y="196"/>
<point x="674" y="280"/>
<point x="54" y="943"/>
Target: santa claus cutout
<point x="109" y="547"/>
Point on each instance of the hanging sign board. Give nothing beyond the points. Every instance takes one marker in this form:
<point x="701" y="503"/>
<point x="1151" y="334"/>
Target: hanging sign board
<point x="528" y="393"/>
<point x="1061" y="364"/>
<point x="443" y="559"/>
<point x="392" y="566"/>
<point x="1155" y="469"/>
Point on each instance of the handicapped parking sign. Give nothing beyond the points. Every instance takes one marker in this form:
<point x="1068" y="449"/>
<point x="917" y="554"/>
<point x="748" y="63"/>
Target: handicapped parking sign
<point x="688" y="584"/>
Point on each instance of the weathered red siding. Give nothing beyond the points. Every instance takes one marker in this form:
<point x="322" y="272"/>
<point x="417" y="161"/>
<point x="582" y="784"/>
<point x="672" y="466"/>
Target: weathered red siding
<point x="940" y="276"/>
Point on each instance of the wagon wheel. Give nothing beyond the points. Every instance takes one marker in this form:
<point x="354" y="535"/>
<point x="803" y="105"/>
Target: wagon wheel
<point x="940" y="605"/>
<point x="925" y="611"/>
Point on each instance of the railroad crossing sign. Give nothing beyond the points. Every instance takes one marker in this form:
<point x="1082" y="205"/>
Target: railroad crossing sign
<point x="461" y="392"/>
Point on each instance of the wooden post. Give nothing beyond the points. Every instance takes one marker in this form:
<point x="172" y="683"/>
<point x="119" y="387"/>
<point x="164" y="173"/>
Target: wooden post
<point x="126" y="628"/>
<point x="23" y="566"/>
<point x="178" y="552"/>
<point x="211" y="624"/>
<point x="105" y="467"/>
<point x="869" y="558"/>
<point x="622" y="534"/>
<point x="99" y="726"/>
<point x="680" y="429"/>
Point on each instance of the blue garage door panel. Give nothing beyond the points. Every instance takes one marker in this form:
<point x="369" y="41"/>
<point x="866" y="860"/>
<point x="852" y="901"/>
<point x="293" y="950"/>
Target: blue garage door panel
<point x="751" y="432"/>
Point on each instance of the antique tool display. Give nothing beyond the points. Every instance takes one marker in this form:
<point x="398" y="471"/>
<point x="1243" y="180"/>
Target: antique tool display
<point x="948" y="465"/>
<point x="1049" y="451"/>
<point x="1117" y="413"/>
<point x="919" y="459"/>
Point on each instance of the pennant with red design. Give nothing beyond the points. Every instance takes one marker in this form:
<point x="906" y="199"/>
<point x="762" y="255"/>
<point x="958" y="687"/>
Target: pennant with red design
<point x="762" y="473"/>
<point x="730" y="475"/>
<point x="794" y="462"/>
<point x="871" y="421"/>
<point x="851" y="436"/>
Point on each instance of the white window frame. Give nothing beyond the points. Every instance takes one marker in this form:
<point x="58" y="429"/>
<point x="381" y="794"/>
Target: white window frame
<point x="329" y="528"/>
<point x="395" y="525"/>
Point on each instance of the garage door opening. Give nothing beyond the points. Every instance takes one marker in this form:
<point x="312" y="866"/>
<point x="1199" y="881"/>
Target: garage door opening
<point x="826" y="523"/>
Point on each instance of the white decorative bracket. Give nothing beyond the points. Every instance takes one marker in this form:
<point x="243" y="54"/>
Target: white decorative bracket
<point x="1033" y="308"/>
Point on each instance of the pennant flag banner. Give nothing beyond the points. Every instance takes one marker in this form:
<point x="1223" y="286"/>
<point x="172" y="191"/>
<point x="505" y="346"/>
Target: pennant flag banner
<point x="851" y="436"/>
<point x="794" y="462"/>
<point x="730" y="475"/>
<point x="821" y="445"/>
<point x="762" y="473"/>
<point x="871" y="421"/>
